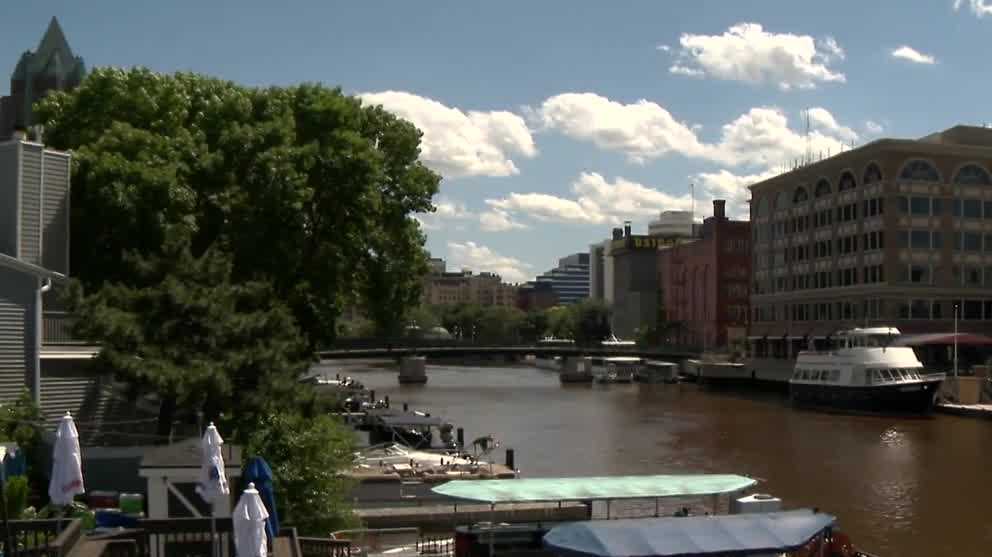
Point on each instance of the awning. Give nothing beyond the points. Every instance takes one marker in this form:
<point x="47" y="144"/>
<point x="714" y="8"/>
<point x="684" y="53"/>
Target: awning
<point x="748" y="534"/>
<point x="964" y="339"/>
<point x="593" y="488"/>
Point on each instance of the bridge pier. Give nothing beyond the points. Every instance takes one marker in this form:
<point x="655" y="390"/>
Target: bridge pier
<point x="413" y="369"/>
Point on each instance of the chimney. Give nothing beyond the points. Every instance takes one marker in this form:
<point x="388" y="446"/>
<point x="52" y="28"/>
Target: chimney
<point x="719" y="208"/>
<point x="617" y="233"/>
<point x="626" y="229"/>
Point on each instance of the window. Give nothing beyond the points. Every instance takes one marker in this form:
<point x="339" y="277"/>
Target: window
<point x="972" y="208"/>
<point x="957" y="208"/>
<point x="919" y="274"/>
<point x="971" y="310"/>
<point x="902" y="238"/>
<point x="937" y="240"/>
<point x="919" y="309"/>
<point x="919" y="239"/>
<point x="918" y="170"/>
<point x="846" y="182"/>
<point x="800" y="196"/>
<point x="972" y="174"/>
<point x="935" y="310"/>
<point x="872" y="174"/>
<point x="902" y="310"/>
<point x="971" y="241"/>
<point x="822" y="188"/>
<point x="835" y="375"/>
<point x="972" y="276"/>
<point x="903" y="205"/>
<point x="938" y="206"/>
<point x="919" y="206"/>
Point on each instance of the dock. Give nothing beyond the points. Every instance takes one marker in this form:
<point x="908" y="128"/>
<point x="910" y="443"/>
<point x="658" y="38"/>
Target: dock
<point x="966" y="410"/>
<point x="446" y="517"/>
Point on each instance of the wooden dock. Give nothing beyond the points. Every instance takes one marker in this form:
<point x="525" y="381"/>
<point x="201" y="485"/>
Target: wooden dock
<point x="967" y="410"/>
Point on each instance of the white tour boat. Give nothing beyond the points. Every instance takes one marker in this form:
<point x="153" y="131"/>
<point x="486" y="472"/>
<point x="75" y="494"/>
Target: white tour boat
<point x="616" y="369"/>
<point x="864" y="373"/>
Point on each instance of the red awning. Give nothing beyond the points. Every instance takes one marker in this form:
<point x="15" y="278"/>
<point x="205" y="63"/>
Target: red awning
<point x="964" y="339"/>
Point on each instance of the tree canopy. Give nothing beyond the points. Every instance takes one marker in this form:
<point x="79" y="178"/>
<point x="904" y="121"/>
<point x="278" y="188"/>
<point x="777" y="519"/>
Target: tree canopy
<point x="182" y="330"/>
<point x="304" y="187"/>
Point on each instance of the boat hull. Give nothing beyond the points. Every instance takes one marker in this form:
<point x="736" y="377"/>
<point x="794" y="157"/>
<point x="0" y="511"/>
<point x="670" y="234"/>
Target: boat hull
<point x="415" y="380"/>
<point x="575" y="377"/>
<point x="903" y="398"/>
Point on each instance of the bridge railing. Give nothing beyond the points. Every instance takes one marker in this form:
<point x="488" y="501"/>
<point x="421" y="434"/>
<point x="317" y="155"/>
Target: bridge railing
<point x="369" y="344"/>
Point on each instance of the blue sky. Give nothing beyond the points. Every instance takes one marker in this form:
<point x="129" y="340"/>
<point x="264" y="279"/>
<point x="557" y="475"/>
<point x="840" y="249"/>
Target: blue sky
<point x="553" y="121"/>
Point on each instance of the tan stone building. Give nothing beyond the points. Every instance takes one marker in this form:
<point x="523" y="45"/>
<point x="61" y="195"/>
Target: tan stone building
<point x="896" y="232"/>
<point x="484" y="289"/>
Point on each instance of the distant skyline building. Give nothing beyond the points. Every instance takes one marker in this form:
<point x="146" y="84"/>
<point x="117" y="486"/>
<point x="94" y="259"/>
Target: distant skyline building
<point x="51" y="67"/>
<point x="570" y="279"/>
<point x="466" y="287"/>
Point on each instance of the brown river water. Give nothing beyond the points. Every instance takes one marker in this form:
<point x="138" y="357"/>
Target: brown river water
<point x="899" y="486"/>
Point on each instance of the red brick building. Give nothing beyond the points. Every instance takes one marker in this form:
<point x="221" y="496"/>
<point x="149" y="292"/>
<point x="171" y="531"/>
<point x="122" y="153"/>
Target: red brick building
<point x="705" y="283"/>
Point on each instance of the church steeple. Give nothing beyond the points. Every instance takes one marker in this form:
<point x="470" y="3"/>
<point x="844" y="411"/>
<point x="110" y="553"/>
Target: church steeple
<point x="54" y="41"/>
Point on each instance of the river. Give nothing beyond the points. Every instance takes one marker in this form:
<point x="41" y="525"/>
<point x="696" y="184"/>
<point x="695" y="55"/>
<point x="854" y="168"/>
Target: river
<point x="900" y="486"/>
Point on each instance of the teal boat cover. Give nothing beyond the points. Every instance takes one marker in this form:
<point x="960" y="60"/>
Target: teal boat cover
<point x="593" y="488"/>
<point x="742" y="534"/>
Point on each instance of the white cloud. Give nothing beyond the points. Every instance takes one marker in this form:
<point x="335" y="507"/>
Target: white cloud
<point x="823" y="120"/>
<point x="596" y="201"/>
<point x="980" y="8"/>
<point x="498" y="220"/>
<point x="724" y="184"/>
<point x="469" y="255"/>
<point x="748" y="53"/>
<point x="444" y="210"/>
<point x="645" y="130"/>
<point x="642" y="130"/>
<point x="457" y="143"/>
<point x="873" y="127"/>
<point x="762" y="137"/>
<point x="911" y="54"/>
<point x="664" y="47"/>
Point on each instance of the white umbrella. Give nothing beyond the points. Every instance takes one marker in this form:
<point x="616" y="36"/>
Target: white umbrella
<point x="67" y="468"/>
<point x="213" y="481"/>
<point x="249" y="524"/>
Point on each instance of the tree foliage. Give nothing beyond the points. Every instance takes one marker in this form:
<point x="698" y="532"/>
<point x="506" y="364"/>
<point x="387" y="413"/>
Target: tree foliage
<point x="307" y="456"/>
<point x="303" y="186"/>
<point x="182" y="330"/>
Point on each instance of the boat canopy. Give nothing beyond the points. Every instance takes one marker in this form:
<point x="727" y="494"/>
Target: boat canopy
<point x="743" y="534"/>
<point x="412" y="420"/>
<point x="593" y="488"/>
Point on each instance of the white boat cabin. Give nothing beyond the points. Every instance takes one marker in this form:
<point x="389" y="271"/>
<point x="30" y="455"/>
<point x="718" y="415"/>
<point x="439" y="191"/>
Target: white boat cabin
<point x="861" y="358"/>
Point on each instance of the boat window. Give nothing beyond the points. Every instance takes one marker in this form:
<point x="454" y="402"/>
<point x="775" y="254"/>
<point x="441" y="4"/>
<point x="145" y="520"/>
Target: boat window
<point x="835" y="375"/>
<point x="886" y="375"/>
<point x="868" y="373"/>
<point x="805" y="374"/>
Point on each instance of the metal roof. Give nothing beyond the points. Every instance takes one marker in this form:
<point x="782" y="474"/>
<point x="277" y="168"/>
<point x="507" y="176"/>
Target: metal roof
<point x="743" y="534"/>
<point x="590" y="488"/>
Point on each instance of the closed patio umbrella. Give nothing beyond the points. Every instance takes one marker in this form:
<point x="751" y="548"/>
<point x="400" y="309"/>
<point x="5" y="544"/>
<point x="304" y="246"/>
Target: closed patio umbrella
<point x="212" y="484"/>
<point x="249" y="524"/>
<point x="67" y="469"/>
<point x="259" y="473"/>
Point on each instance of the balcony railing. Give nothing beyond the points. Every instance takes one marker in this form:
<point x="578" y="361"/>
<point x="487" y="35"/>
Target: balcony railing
<point x="57" y="329"/>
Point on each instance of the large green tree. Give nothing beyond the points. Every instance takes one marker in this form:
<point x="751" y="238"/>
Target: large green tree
<point x="304" y="187"/>
<point x="182" y="330"/>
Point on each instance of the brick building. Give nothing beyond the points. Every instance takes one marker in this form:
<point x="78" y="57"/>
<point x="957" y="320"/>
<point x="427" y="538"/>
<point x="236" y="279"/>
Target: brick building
<point x="705" y="283"/>
<point x="897" y="232"/>
<point x="465" y="287"/>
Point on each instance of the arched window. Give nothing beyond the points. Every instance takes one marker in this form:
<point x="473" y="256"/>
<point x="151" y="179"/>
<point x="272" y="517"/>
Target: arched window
<point x="918" y="170"/>
<point x="800" y="196"/>
<point x="872" y="174"/>
<point x="973" y="174"/>
<point x="782" y="201"/>
<point x="762" y="210"/>
<point x="846" y="182"/>
<point x="822" y="188"/>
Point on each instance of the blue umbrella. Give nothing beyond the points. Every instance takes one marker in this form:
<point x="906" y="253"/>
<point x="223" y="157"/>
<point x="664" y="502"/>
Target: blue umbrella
<point x="258" y="472"/>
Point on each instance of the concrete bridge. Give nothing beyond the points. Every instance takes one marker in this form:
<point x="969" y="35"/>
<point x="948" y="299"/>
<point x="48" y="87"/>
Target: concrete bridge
<point x="445" y="351"/>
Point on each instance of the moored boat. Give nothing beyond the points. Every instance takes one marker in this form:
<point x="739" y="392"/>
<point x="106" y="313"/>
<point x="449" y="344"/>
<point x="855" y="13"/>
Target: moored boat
<point x="656" y="371"/>
<point x="616" y="369"/>
<point x="864" y="373"/>
<point x="576" y="370"/>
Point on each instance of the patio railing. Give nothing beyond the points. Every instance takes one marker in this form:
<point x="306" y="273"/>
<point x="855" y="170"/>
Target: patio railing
<point x="324" y="547"/>
<point x="43" y="538"/>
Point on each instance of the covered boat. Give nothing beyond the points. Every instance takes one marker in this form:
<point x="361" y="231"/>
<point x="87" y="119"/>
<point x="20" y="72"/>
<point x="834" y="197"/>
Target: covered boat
<point x="802" y="531"/>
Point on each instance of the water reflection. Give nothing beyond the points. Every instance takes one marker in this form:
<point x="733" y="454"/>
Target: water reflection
<point x="899" y="486"/>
